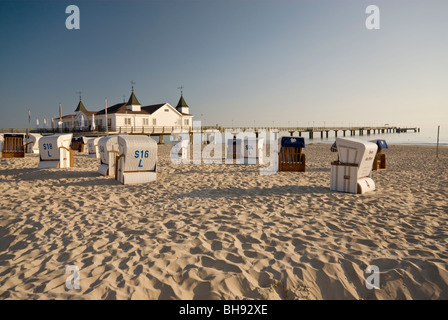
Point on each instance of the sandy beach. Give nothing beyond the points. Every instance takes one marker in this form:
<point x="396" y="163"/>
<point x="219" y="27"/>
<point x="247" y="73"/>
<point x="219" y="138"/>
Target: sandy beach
<point x="225" y="231"/>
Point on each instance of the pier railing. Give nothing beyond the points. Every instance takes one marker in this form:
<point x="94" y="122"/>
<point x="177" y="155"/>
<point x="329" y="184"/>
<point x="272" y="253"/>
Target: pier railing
<point x="168" y="130"/>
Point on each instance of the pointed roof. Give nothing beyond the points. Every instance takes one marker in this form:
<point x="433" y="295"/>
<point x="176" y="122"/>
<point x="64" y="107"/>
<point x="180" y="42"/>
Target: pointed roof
<point x="81" y="107"/>
<point x="133" y="101"/>
<point x="182" y="103"/>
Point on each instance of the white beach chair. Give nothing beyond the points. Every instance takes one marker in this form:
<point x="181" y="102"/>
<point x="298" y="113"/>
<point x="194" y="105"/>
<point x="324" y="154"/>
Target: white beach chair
<point x="108" y="148"/>
<point x="93" y="149"/>
<point x="55" y="152"/>
<point x="380" y="159"/>
<point x="137" y="159"/>
<point x="1" y="143"/>
<point x="247" y="150"/>
<point x="32" y="144"/>
<point x="351" y="172"/>
<point x="253" y="151"/>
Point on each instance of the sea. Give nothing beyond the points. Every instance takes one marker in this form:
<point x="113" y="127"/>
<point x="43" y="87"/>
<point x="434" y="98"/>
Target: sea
<point x="427" y="136"/>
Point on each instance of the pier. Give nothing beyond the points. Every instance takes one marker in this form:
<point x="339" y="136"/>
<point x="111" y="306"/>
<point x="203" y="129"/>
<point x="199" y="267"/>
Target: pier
<point x="309" y="132"/>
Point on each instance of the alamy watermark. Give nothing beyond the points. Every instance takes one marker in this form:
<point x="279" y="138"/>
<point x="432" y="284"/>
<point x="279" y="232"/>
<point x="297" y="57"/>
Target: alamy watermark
<point x="73" y="20"/>
<point x="373" y="278"/>
<point x="72" y="281"/>
<point x="240" y="147"/>
<point x="373" y="20"/>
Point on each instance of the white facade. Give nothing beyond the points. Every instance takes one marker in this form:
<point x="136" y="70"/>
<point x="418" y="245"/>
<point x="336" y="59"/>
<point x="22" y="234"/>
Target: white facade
<point x="137" y="120"/>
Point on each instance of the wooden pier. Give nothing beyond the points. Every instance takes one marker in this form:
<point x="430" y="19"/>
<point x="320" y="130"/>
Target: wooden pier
<point x="309" y="132"/>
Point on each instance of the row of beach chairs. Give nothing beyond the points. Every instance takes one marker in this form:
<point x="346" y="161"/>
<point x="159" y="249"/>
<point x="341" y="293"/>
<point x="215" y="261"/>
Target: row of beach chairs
<point x="133" y="159"/>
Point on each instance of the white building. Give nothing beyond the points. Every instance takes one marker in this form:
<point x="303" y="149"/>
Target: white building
<point x="131" y="116"/>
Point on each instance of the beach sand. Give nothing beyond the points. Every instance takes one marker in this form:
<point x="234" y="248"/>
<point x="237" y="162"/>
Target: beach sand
<point x="225" y="231"/>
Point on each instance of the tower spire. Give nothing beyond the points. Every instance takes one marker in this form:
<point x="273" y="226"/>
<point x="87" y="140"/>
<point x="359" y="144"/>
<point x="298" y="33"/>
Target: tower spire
<point x="79" y="93"/>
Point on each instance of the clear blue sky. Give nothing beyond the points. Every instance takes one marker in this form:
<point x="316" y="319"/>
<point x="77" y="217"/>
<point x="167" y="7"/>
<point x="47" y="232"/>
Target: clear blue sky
<point x="287" y="62"/>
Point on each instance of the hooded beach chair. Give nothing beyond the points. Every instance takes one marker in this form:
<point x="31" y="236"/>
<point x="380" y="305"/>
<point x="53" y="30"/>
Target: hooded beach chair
<point x="32" y="143"/>
<point x="380" y="159"/>
<point x="13" y="146"/>
<point x="351" y="172"/>
<point x="55" y="152"/>
<point x="136" y="160"/>
<point x="253" y="151"/>
<point x="108" y="147"/>
<point x="290" y="155"/>
<point x="92" y="147"/>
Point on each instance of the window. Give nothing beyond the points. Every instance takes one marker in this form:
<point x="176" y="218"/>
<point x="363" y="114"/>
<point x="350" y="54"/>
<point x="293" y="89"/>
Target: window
<point x="154" y="122"/>
<point x="145" y="121"/>
<point x="127" y="121"/>
<point x="186" y="122"/>
<point x="166" y="110"/>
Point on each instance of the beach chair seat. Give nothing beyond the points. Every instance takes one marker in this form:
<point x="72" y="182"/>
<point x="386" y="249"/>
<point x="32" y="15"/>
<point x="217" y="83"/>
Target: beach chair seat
<point x="380" y="158"/>
<point x="291" y="156"/>
<point x="13" y="146"/>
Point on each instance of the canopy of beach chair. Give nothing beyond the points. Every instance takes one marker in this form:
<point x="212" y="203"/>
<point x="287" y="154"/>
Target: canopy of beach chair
<point x="380" y="143"/>
<point x="296" y="142"/>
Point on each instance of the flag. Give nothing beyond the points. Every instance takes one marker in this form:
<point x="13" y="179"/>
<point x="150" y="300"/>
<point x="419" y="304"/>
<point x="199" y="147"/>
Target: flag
<point x="105" y="108"/>
<point x="60" y="112"/>
<point x="37" y="123"/>
<point x="52" y="123"/>
<point x="93" y="123"/>
<point x="45" y="123"/>
<point x="29" y="116"/>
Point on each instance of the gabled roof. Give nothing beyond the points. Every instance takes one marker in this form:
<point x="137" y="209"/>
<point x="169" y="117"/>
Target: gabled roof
<point x="133" y="101"/>
<point x="121" y="108"/>
<point x="153" y="108"/>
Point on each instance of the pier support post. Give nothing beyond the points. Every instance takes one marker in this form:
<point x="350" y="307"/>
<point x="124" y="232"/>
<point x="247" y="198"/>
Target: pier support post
<point x="335" y="133"/>
<point x="311" y="134"/>
<point x="161" y="139"/>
